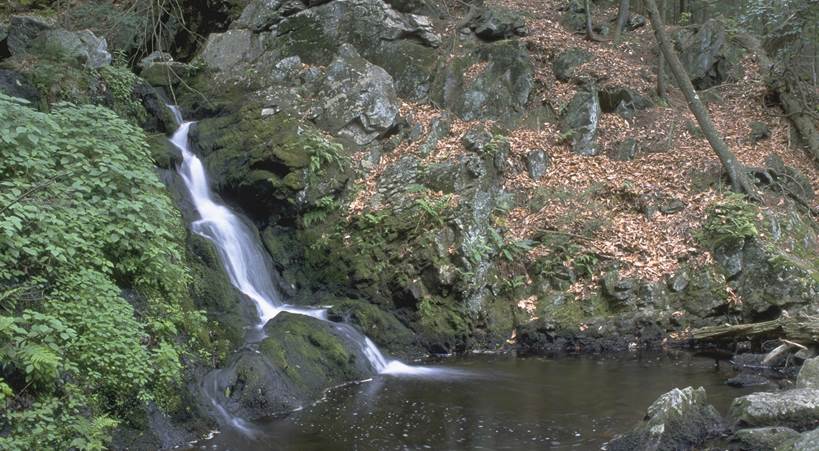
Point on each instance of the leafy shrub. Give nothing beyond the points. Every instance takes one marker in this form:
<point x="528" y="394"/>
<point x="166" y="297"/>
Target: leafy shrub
<point x="83" y="219"/>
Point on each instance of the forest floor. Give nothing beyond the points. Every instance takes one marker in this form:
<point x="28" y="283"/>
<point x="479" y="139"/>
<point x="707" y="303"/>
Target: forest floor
<point x="603" y="196"/>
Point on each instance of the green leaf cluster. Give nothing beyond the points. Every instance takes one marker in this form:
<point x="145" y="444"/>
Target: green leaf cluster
<point x="729" y="222"/>
<point x="93" y="289"/>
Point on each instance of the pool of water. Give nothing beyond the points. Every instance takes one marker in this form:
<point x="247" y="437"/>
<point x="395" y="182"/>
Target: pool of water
<point x="490" y="403"/>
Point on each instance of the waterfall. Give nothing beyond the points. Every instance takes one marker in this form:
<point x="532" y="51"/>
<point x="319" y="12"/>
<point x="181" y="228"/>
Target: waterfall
<point x="243" y="257"/>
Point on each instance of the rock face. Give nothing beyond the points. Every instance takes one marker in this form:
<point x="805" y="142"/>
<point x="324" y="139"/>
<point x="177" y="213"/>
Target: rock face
<point x="581" y="120"/>
<point x="358" y="99"/>
<point x="679" y="419"/>
<point x="707" y="56"/>
<point x="797" y="409"/>
<point x="492" y="81"/>
<point x="232" y="50"/>
<point x="492" y="24"/>
<point x="300" y="357"/>
<point x="809" y="374"/>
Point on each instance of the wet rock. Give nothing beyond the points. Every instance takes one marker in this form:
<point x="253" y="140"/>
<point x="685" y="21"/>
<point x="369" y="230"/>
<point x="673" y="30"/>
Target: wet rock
<point x="565" y="65"/>
<point x="382" y="327"/>
<point x="492" y="81"/>
<point x="15" y="84"/>
<point x="809" y="374"/>
<point x="358" y="99"/>
<point x="537" y="163"/>
<point x="581" y="120"/>
<point x="492" y="24"/>
<point x="625" y="150"/>
<point x="23" y="30"/>
<point x="759" y="131"/>
<point x="679" y="419"/>
<point x="166" y="73"/>
<point x="623" y="101"/>
<point x="300" y="357"/>
<point x="747" y="380"/>
<point x="797" y="409"/>
<point x="707" y="55"/>
<point x="765" y="439"/>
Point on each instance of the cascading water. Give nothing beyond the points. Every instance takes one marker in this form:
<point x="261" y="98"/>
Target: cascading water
<point x="243" y="257"/>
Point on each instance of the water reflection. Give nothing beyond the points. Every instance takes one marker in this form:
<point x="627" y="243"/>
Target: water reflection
<point x="491" y="402"/>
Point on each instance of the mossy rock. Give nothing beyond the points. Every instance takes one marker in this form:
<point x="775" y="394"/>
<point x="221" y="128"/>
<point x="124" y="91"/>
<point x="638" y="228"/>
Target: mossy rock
<point x="443" y="328"/>
<point x="383" y="328"/>
<point x="300" y="358"/>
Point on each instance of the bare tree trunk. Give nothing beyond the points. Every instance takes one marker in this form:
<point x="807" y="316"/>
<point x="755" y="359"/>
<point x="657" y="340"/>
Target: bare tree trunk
<point x="589" y="26"/>
<point x="736" y="173"/>
<point x="622" y="17"/>
<point x="661" y="86"/>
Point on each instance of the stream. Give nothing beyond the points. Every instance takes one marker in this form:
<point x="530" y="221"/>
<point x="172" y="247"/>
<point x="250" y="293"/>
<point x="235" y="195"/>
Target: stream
<point x="496" y="403"/>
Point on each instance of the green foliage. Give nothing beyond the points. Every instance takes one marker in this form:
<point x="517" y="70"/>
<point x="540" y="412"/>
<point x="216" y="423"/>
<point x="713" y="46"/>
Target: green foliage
<point x="433" y="210"/>
<point x="325" y="206"/>
<point x="120" y="82"/>
<point x="729" y="222"/>
<point x="84" y="220"/>
<point x="510" y="250"/>
<point x="324" y="153"/>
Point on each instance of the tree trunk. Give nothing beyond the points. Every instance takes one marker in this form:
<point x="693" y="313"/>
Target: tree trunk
<point x="622" y="17"/>
<point x="661" y="86"/>
<point x="736" y="173"/>
<point x="589" y="28"/>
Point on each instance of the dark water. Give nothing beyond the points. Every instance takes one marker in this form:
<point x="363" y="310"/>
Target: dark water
<point x="497" y="403"/>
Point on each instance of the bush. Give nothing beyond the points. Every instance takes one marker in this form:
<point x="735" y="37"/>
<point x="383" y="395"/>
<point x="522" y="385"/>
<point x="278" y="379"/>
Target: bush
<point x="83" y="220"/>
<point x="729" y="222"/>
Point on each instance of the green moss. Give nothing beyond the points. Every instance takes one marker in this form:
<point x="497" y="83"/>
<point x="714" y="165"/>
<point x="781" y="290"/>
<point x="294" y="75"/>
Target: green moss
<point x="304" y="35"/>
<point x="729" y="222"/>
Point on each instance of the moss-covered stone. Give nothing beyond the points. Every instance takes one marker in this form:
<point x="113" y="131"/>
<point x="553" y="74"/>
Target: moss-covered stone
<point x="383" y="328"/>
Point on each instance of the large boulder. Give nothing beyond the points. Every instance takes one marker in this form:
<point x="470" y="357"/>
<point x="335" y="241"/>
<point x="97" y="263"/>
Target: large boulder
<point x="23" y="30"/>
<point x="797" y="409"/>
<point x="357" y="99"/>
<point x="581" y="120"/>
<point x="808" y="441"/>
<point x="299" y="358"/>
<point x="231" y="51"/>
<point x="382" y="327"/>
<point x="679" y="419"/>
<point x="491" y="81"/>
<point x="81" y="46"/>
<point x="707" y="55"/>
<point x="492" y="24"/>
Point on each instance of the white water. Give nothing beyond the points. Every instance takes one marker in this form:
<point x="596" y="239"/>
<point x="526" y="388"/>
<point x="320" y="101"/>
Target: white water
<point x="243" y="257"/>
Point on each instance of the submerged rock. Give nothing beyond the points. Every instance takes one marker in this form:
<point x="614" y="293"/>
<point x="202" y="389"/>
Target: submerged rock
<point x="797" y="409"/>
<point x="679" y="419"/>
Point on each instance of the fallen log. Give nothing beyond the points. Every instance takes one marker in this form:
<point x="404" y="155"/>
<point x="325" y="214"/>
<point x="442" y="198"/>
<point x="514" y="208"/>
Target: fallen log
<point x="800" y="330"/>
